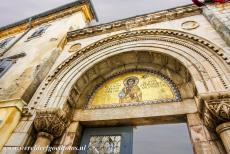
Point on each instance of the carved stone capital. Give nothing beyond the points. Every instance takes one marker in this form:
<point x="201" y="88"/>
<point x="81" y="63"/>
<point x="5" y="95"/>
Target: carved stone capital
<point x="216" y="111"/>
<point x="53" y="122"/>
<point x="209" y="120"/>
<point x="220" y="109"/>
<point x="46" y="135"/>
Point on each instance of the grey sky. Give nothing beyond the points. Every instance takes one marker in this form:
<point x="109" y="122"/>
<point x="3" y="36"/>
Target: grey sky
<point x="107" y="10"/>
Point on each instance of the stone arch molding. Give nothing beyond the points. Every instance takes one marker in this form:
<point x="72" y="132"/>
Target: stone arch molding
<point x="206" y="62"/>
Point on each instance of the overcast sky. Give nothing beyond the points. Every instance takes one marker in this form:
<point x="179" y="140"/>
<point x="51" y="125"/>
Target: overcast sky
<point x="107" y="10"/>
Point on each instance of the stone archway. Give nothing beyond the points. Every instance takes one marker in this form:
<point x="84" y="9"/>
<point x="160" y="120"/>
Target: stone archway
<point x="205" y="62"/>
<point x="132" y="61"/>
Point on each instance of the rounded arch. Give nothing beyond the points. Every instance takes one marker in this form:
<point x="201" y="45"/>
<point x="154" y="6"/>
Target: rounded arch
<point x="132" y="61"/>
<point x="207" y="63"/>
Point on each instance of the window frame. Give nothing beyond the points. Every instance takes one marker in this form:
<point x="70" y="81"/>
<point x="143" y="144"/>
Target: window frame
<point x="5" y="64"/>
<point x="5" y="42"/>
<point x="40" y="30"/>
<point x="126" y="133"/>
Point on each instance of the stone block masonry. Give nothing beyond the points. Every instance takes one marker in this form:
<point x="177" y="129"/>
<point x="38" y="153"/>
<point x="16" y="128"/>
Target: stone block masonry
<point x="219" y="16"/>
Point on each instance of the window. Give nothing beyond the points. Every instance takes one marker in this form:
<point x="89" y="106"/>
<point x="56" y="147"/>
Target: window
<point x="38" y="32"/>
<point x="4" y="42"/>
<point x="162" y="139"/>
<point x="107" y="140"/>
<point x="5" y="64"/>
<point x="145" y="139"/>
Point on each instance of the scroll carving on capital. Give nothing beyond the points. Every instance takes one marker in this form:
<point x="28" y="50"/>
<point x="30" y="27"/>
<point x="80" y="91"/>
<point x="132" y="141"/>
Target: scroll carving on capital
<point x="216" y="111"/>
<point x="220" y="109"/>
<point x="53" y="122"/>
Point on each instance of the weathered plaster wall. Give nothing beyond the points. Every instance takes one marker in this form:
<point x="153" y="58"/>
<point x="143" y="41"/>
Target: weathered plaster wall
<point x="19" y="83"/>
<point x="41" y="53"/>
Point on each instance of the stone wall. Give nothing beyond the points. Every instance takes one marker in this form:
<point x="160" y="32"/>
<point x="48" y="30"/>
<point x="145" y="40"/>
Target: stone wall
<point x="219" y="17"/>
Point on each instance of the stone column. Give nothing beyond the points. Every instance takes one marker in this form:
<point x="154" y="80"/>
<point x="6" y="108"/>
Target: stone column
<point x="49" y="124"/>
<point x="42" y="142"/>
<point x="224" y="131"/>
<point x="71" y="138"/>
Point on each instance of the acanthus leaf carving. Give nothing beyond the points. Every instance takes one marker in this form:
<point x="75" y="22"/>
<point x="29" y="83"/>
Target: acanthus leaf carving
<point x="53" y="122"/>
<point x="216" y="111"/>
<point x="220" y="109"/>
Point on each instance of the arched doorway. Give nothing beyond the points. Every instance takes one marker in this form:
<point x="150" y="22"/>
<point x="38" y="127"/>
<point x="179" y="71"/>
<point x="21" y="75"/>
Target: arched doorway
<point x="154" y="98"/>
<point x="195" y="66"/>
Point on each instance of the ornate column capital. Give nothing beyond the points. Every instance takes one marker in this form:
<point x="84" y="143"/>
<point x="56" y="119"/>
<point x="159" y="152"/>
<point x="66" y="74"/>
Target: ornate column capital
<point x="216" y="111"/>
<point x="53" y="122"/>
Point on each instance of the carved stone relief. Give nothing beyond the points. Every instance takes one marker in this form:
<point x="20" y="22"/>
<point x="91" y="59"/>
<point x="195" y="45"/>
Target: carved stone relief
<point x="53" y="122"/>
<point x="216" y="111"/>
<point x="170" y="37"/>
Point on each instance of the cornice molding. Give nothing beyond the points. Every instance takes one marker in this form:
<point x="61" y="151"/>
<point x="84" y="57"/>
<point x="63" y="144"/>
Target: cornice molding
<point x="47" y="17"/>
<point x="142" y="20"/>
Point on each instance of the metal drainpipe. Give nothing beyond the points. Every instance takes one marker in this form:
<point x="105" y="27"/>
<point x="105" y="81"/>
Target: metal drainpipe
<point x="7" y="49"/>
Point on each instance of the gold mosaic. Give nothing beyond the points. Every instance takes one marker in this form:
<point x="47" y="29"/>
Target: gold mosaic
<point x="133" y="87"/>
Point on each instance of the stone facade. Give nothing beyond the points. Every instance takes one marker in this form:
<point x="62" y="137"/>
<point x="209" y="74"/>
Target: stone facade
<point x="219" y="17"/>
<point x="49" y="87"/>
<point x="32" y="58"/>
